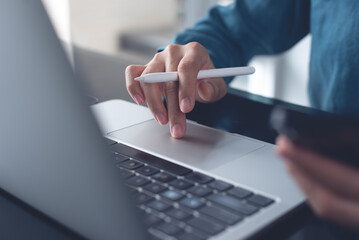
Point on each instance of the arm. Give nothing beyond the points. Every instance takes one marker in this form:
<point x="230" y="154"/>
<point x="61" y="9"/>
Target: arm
<point x="233" y="35"/>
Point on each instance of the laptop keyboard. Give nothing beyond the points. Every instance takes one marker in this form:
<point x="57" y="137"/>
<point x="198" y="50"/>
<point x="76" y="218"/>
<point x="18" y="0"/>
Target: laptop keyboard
<point x="179" y="203"/>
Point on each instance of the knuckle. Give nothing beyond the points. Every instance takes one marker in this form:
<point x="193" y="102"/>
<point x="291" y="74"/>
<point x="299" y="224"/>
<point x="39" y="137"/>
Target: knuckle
<point x="130" y="69"/>
<point x="186" y="65"/>
<point x="173" y="56"/>
<point x="195" y="46"/>
<point x="157" y="57"/>
<point x="172" y="48"/>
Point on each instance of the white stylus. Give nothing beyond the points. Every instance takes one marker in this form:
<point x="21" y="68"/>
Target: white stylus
<point x="210" y="73"/>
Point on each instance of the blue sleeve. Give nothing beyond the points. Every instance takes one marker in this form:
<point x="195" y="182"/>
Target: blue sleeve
<point x="234" y="34"/>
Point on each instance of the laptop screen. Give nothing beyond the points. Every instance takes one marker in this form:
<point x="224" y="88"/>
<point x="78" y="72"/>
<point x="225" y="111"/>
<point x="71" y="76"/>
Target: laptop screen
<point x="52" y="155"/>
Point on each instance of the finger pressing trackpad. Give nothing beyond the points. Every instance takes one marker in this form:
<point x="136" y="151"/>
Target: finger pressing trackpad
<point x="201" y="147"/>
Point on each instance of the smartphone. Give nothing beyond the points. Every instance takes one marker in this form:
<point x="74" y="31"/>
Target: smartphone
<point x="335" y="136"/>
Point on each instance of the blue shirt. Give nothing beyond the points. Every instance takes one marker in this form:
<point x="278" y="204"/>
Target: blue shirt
<point x="234" y="34"/>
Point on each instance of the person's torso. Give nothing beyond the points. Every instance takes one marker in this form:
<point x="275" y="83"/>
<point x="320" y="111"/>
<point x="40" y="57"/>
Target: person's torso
<point x="334" y="67"/>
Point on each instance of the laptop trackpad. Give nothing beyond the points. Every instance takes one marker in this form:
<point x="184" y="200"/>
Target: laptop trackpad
<point x="202" y="147"/>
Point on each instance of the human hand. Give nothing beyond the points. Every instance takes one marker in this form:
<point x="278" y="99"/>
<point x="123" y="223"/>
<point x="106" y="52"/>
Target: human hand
<point x="332" y="188"/>
<point x="180" y="96"/>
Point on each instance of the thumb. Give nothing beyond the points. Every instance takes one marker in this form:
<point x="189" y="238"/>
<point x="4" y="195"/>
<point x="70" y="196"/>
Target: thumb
<point x="211" y="90"/>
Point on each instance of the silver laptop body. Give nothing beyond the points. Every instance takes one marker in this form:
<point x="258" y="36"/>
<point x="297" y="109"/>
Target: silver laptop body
<point x="53" y="158"/>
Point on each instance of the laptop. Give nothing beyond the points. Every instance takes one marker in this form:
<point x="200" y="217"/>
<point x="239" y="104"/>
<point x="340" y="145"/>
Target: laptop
<point x="138" y="184"/>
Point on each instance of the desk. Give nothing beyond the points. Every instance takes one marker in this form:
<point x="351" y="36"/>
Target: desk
<point x="238" y="112"/>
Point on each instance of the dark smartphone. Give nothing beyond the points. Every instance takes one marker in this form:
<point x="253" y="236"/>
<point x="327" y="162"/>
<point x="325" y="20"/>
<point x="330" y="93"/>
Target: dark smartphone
<point x="335" y="136"/>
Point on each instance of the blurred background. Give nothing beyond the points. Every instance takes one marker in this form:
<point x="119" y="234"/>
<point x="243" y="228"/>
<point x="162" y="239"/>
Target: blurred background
<point x="103" y="37"/>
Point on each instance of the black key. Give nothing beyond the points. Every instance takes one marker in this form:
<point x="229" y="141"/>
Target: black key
<point x="126" y="174"/>
<point x="159" y="205"/>
<point x="233" y="204"/>
<point x="192" y="202"/>
<point x="131" y="164"/>
<point x="147" y="170"/>
<point x="190" y="236"/>
<point x="179" y="214"/>
<point x="151" y="160"/>
<point x="240" y="193"/>
<point x="142" y="198"/>
<point x="199" y="177"/>
<point x="181" y="184"/>
<point x="220" y="185"/>
<point x="120" y="158"/>
<point x="199" y="191"/>
<point x="155" y="188"/>
<point x="260" y="200"/>
<point x="167" y="166"/>
<point x="151" y="220"/>
<point x="172" y="195"/>
<point x="137" y="181"/>
<point x="163" y="177"/>
<point x="170" y="229"/>
<point x="205" y="225"/>
<point x="221" y="215"/>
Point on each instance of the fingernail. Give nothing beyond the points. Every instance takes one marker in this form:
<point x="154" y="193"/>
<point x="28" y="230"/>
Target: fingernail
<point x="185" y="105"/>
<point x="176" y="131"/>
<point x="138" y="99"/>
<point x="161" y="118"/>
